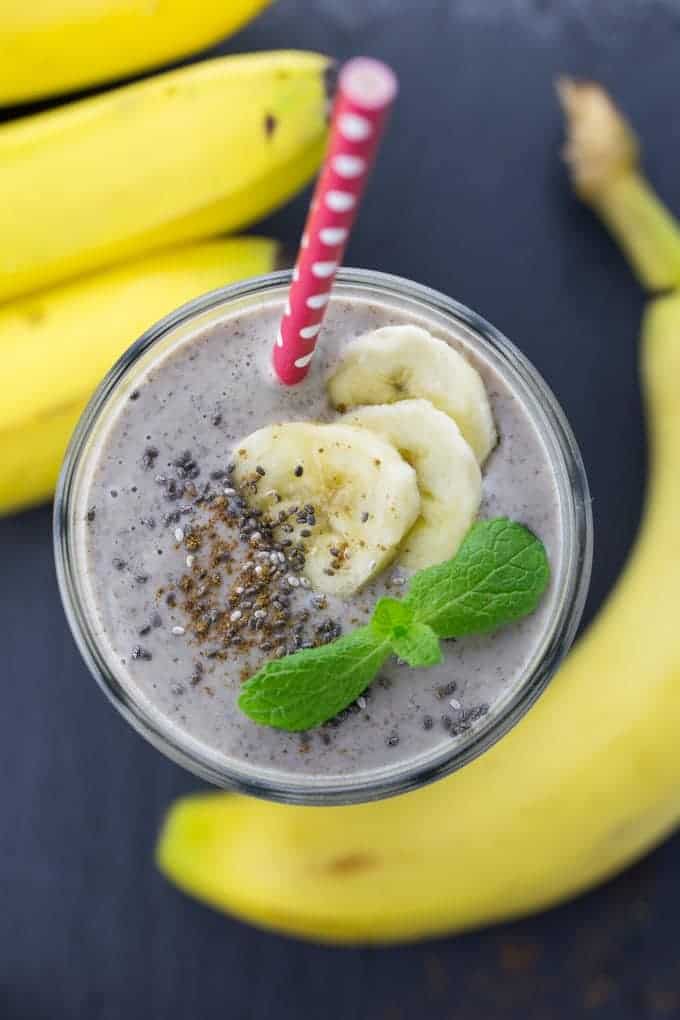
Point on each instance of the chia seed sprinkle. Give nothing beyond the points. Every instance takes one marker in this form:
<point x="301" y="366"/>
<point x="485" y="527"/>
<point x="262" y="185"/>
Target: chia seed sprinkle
<point x="299" y="471"/>
<point x="141" y="653"/>
<point x="428" y="722"/>
<point x="149" y="457"/>
<point x="91" y="514"/>
<point x="392" y="739"/>
<point x="364" y="516"/>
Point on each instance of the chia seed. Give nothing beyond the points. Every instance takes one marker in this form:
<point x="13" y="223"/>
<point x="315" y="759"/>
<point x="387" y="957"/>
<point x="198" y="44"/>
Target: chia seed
<point x="392" y="739"/>
<point x="118" y="563"/>
<point x="91" y="514"/>
<point x="149" y="457"/>
<point x="428" y="722"/>
<point x="141" y="653"/>
<point x="299" y="471"/>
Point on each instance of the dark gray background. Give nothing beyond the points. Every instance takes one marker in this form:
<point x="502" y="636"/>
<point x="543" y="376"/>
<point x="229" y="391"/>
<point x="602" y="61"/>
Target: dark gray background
<point x="469" y="197"/>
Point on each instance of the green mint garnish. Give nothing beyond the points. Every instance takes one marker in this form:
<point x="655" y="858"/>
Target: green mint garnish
<point x="414" y="642"/>
<point x="307" y="688"/>
<point x="498" y="575"/>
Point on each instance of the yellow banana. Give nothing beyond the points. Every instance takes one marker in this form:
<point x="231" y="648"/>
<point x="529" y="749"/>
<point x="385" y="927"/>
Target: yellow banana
<point x="584" y="784"/>
<point x="184" y="155"/>
<point x="588" y="781"/>
<point x="59" y="45"/>
<point x="56" y="346"/>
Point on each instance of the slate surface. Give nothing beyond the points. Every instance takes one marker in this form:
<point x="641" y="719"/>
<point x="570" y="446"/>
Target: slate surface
<point x="470" y="198"/>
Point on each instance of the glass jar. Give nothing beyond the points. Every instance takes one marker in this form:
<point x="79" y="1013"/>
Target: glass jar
<point x="570" y="581"/>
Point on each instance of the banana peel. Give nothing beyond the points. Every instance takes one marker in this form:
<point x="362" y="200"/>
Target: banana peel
<point x="61" y="45"/>
<point x="56" y="346"/>
<point x="586" y="783"/>
<point x="184" y="155"/>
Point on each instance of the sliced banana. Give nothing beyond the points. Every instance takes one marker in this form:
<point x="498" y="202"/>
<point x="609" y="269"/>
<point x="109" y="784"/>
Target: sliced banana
<point x="364" y="494"/>
<point x="449" y="479"/>
<point x="398" y="362"/>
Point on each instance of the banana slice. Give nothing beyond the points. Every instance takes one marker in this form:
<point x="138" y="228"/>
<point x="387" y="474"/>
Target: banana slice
<point x="365" y="496"/>
<point x="398" y="362"/>
<point x="449" y="479"/>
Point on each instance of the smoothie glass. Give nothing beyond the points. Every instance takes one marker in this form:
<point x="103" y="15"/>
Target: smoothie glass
<point x="570" y="580"/>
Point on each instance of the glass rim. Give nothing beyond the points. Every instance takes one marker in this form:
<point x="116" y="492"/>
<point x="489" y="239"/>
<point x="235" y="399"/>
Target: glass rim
<point x="561" y="628"/>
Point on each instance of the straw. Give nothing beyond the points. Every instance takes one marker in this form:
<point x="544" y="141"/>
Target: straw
<point x="366" y="91"/>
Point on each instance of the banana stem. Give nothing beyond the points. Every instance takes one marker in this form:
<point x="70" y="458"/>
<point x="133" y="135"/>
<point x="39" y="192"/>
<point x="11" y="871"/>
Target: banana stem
<point x="646" y="231"/>
<point x="602" y="155"/>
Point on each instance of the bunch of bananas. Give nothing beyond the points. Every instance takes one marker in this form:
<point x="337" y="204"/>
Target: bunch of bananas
<point x="589" y="779"/>
<point x="109" y="202"/>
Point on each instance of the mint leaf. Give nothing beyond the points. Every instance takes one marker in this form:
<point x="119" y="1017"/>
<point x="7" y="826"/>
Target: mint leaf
<point x="498" y="575"/>
<point x="418" y="645"/>
<point x="391" y="616"/>
<point x="415" y="643"/>
<point x="305" y="689"/>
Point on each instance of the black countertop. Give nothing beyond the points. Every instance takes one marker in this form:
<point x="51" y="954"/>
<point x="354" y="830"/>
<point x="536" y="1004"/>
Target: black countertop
<point x="469" y="197"/>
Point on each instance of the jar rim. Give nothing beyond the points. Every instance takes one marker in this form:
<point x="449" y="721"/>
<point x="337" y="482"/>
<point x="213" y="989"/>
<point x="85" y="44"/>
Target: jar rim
<point x="560" y="629"/>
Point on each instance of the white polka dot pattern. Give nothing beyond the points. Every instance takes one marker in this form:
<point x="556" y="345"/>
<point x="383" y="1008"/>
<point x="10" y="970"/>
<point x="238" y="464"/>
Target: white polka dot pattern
<point x="358" y="119"/>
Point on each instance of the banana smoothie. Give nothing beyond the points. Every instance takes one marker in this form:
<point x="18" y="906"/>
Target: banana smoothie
<point x="222" y="520"/>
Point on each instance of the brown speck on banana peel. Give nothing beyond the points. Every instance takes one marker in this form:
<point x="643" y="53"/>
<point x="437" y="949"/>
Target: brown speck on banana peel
<point x="350" y="864"/>
<point x="600" y="144"/>
<point x="270" y="124"/>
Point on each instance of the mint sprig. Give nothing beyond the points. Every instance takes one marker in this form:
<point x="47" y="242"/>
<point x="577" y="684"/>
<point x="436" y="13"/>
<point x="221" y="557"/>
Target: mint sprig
<point x="497" y="576"/>
<point x="307" y="688"/>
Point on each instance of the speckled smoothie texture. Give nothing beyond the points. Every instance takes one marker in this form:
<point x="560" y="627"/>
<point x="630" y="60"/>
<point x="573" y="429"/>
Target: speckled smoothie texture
<point x="202" y="396"/>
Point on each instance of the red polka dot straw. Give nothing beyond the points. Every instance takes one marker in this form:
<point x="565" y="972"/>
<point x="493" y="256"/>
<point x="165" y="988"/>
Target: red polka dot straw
<point x="366" y="91"/>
